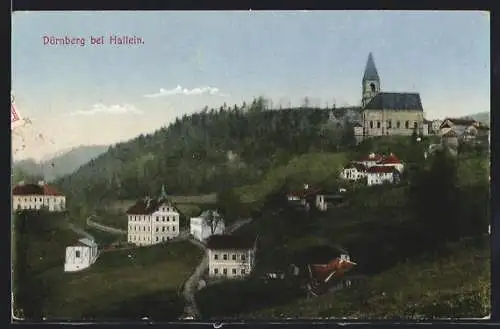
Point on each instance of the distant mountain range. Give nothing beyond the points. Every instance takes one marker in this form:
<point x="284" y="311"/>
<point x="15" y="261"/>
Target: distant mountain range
<point x="483" y="117"/>
<point x="60" y="164"/>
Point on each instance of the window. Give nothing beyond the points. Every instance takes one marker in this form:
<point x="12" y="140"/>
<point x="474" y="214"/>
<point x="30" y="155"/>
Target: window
<point x="216" y="271"/>
<point x="371" y="124"/>
<point x="173" y="228"/>
<point x="173" y="218"/>
<point x="243" y="257"/>
<point x="77" y="254"/>
<point x="163" y="218"/>
<point x="398" y="124"/>
<point x="378" y="124"/>
<point x="157" y="239"/>
<point x="234" y="271"/>
<point x="389" y="124"/>
<point x="224" y="256"/>
<point x="372" y="87"/>
<point x="224" y="271"/>
<point x="157" y="218"/>
<point x="407" y="124"/>
<point x="157" y="229"/>
<point x="243" y="271"/>
<point x="168" y="228"/>
<point x="168" y="218"/>
<point x="233" y="257"/>
<point x="415" y="124"/>
<point x="216" y="257"/>
<point x="163" y="229"/>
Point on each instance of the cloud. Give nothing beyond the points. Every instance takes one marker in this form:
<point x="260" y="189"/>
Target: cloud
<point x="109" y="109"/>
<point x="184" y="91"/>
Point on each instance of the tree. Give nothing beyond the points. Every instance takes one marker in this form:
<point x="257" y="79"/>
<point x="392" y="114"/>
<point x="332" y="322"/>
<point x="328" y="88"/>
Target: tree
<point x="213" y="220"/>
<point x="228" y="204"/>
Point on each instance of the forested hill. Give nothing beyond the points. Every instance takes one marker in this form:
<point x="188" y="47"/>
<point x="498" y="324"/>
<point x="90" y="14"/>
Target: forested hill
<point x="208" y="151"/>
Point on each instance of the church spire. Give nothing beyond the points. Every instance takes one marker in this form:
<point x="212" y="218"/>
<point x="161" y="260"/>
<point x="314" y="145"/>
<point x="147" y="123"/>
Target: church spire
<point x="163" y="195"/>
<point x="370" y="69"/>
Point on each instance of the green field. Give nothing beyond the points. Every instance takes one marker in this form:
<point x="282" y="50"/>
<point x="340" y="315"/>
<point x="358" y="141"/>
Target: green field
<point x="123" y="205"/>
<point x="121" y="287"/>
<point x="455" y="283"/>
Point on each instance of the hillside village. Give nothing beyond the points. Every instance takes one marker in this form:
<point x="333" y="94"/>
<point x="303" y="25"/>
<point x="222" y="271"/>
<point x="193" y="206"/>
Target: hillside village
<point x="295" y="235"/>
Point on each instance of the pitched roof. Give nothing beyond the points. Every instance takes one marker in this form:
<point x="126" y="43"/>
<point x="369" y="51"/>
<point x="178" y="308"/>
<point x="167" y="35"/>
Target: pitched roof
<point x="459" y="121"/>
<point x="146" y="206"/>
<point x="332" y="270"/>
<point x="395" y="101"/>
<point x="356" y="165"/>
<point x="358" y="125"/>
<point x="35" y="189"/>
<point x="390" y="159"/>
<point x="220" y="241"/>
<point x="380" y="169"/>
<point x="370" y="69"/>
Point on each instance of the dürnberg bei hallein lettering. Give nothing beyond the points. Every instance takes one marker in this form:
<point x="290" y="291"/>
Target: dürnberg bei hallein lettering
<point x="99" y="40"/>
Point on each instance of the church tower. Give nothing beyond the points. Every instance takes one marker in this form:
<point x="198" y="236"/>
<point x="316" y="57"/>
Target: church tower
<point x="371" y="81"/>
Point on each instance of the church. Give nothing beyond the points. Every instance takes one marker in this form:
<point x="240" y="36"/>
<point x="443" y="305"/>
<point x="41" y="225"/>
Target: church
<point x="388" y="113"/>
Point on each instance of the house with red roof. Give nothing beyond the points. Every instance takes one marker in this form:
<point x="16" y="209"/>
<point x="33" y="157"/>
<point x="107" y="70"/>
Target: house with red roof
<point x="40" y="196"/>
<point x="391" y="161"/>
<point x="152" y="221"/>
<point x="378" y="175"/>
<point x="325" y="267"/>
<point x="354" y="171"/>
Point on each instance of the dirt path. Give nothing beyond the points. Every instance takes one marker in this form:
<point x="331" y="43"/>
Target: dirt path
<point x="191" y="310"/>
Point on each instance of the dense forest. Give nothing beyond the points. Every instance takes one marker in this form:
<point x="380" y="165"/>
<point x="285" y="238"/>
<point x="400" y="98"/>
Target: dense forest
<point x="209" y="151"/>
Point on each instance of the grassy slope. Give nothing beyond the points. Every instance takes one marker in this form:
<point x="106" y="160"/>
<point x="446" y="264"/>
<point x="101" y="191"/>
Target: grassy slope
<point x="453" y="285"/>
<point x="372" y="220"/>
<point x="117" y="286"/>
<point x="309" y="168"/>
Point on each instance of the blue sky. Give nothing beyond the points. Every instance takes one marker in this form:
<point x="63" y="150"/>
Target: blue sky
<point x="88" y="94"/>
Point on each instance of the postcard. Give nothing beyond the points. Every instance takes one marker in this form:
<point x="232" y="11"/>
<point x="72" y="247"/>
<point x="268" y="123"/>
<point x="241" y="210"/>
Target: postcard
<point x="250" y="165"/>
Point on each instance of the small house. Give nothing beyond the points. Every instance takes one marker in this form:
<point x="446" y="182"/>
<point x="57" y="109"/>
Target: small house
<point x="391" y="161"/>
<point x="353" y="171"/>
<point x="230" y="256"/>
<point x="378" y="175"/>
<point x="210" y="222"/>
<point x="81" y="256"/>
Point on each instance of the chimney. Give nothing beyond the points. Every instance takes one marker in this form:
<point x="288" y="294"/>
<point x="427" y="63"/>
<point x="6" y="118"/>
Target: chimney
<point x="41" y="183"/>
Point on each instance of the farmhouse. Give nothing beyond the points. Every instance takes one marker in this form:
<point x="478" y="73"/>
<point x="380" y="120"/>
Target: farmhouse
<point x="354" y="171"/>
<point x="466" y="130"/>
<point x="37" y="197"/>
<point x="391" y="161"/>
<point x="208" y="223"/>
<point x="378" y="175"/>
<point x="323" y="266"/>
<point x="81" y="256"/>
<point x="152" y="221"/>
<point x="230" y="256"/>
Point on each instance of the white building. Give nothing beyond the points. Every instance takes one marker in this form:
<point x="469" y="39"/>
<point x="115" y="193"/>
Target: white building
<point x="378" y="175"/>
<point x="230" y="256"/>
<point x="152" y="221"/>
<point x="203" y="226"/>
<point x="37" y="197"/>
<point x="353" y="171"/>
<point x="81" y="256"/>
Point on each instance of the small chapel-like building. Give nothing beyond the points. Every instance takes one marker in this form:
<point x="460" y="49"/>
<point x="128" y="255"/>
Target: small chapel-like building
<point x="389" y="113"/>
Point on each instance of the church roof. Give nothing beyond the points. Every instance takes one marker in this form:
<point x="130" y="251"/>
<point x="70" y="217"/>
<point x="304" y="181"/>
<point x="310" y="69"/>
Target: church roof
<point x="395" y="101"/>
<point x="370" y="69"/>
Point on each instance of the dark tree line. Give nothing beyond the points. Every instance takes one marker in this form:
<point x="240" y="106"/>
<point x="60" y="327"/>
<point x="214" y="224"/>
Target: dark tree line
<point x="208" y="151"/>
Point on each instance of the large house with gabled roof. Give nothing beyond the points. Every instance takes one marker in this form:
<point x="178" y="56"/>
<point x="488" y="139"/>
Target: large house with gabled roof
<point x="389" y="113"/>
<point x="152" y="220"/>
<point x="40" y="196"/>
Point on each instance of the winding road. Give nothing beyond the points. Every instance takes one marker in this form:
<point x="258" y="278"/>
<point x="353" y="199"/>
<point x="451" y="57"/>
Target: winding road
<point x="191" y="310"/>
